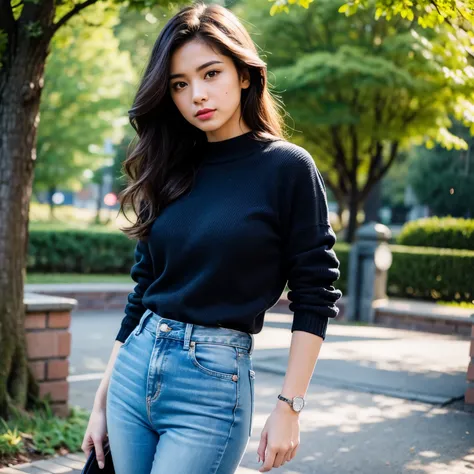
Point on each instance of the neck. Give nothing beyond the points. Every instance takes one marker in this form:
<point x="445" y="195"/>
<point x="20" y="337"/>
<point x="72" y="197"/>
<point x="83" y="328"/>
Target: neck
<point x="230" y="148"/>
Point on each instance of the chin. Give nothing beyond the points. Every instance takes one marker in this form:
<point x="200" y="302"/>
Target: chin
<point x="209" y="127"/>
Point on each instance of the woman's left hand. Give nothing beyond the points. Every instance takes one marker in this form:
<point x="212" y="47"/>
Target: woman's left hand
<point x="280" y="438"/>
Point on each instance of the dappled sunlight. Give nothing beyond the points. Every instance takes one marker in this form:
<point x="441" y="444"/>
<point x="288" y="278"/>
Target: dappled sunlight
<point x="428" y="462"/>
<point x="340" y="428"/>
<point x="453" y="467"/>
<point x="409" y="364"/>
<point x="415" y="355"/>
<point x="343" y="412"/>
<point x="428" y="454"/>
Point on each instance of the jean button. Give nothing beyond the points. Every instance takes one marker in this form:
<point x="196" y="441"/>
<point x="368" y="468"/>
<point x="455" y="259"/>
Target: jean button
<point x="164" y="327"/>
<point x="235" y="378"/>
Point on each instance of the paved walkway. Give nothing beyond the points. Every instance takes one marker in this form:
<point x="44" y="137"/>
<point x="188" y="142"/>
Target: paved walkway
<point x="408" y="364"/>
<point x="381" y="400"/>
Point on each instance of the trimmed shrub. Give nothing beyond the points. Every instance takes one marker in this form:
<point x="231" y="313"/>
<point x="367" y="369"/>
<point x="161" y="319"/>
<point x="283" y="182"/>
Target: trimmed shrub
<point x="79" y="251"/>
<point x="431" y="273"/>
<point x="416" y="272"/>
<point x="444" y="232"/>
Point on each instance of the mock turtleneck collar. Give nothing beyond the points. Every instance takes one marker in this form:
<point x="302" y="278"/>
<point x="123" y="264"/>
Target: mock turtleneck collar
<point x="231" y="148"/>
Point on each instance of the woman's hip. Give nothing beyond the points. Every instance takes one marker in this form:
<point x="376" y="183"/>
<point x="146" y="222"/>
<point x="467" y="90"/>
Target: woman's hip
<point x="175" y="372"/>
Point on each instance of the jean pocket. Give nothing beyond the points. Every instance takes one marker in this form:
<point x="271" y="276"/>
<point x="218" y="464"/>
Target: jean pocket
<point x="216" y="360"/>
<point x="127" y="341"/>
<point x="252" y="398"/>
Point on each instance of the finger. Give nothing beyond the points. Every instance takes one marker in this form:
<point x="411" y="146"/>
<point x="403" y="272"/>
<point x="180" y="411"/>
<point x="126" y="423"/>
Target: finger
<point x="86" y="446"/>
<point x="293" y="451"/>
<point x="280" y="459"/>
<point x="99" y="453"/>
<point x="289" y="453"/>
<point x="262" y="446"/>
<point x="269" y="460"/>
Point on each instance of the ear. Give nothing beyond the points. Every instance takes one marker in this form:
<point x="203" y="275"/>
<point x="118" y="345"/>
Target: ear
<point x="245" y="78"/>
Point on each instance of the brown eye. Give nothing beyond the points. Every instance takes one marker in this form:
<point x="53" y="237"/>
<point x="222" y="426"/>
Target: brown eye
<point x="174" y="86"/>
<point x="217" y="72"/>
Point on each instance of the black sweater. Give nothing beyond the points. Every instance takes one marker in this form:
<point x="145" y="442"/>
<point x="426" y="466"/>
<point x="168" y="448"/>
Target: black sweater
<point x="221" y="255"/>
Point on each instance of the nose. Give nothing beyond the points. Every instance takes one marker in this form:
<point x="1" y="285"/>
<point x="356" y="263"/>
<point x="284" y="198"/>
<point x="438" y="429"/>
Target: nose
<point x="199" y="94"/>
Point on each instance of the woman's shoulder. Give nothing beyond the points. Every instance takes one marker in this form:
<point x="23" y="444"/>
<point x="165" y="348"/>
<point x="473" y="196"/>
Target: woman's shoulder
<point x="289" y="156"/>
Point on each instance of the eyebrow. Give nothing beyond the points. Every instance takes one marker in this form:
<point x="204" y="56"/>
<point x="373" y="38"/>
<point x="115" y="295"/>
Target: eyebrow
<point x="199" y="68"/>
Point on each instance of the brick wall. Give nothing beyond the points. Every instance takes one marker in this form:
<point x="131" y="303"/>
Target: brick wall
<point x="48" y="342"/>
<point x="426" y="324"/>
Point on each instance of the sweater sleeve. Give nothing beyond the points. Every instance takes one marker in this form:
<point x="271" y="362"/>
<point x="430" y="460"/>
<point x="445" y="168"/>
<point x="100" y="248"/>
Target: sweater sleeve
<point x="142" y="273"/>
<point x="310" y="262"/>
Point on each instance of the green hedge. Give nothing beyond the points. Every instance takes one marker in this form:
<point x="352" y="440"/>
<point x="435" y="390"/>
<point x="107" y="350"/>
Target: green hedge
<point x="422" y="273"/>
<point x="416" y="272"/>
<point x="445" y="232"/>
<point x="79" y="251"/>
<point x="431" y="273"/>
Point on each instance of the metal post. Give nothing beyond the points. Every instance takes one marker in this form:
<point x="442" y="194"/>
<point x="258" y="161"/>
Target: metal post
<point x="369" y="260"/>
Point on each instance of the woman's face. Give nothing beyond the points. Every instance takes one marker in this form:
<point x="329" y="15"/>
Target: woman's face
<point x="203" y="79"/>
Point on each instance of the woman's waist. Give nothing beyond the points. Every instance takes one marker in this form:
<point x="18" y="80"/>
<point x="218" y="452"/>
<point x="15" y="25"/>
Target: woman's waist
<point x="173" y="329"/>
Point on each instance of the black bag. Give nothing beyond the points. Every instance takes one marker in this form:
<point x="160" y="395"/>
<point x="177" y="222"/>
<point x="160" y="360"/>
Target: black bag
<point x="91" y="466"/>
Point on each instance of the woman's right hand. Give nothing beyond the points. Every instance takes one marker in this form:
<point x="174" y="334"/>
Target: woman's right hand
<point x="95" y="435"/>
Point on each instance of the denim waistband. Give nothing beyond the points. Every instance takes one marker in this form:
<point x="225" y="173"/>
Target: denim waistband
<point x="172" y="329"/>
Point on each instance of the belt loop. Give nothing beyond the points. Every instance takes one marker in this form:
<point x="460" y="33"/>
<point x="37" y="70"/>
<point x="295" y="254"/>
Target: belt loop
<point x="187" y="335"/>
<point x="142" y="321"/>
<point x="252" y="342"/>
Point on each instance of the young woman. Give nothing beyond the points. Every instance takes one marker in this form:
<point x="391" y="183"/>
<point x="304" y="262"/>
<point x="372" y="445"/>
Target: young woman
<point x="227" y="211"/>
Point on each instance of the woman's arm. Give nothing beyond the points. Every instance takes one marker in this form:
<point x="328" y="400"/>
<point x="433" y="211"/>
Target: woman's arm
<point x="312" y="268"/>
<point x="304" y="352"/>
<point x="280" y="437"/>
<point x="100" y="400"/>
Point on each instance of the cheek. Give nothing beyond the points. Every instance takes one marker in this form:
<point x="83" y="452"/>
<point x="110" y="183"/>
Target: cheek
<point x="180" y="105"/>
<point x="230" y="94"/>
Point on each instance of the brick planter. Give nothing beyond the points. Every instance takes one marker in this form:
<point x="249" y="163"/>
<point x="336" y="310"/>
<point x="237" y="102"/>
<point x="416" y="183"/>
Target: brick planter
<point x="48" y="340"/>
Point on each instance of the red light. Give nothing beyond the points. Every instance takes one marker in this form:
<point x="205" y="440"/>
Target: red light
<point x="110" y="199"/>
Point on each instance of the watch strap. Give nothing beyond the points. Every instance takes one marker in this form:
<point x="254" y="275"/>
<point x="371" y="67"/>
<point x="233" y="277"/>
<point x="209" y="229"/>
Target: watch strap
<point x="291" y="402"/>
<point x="287" y="400"/>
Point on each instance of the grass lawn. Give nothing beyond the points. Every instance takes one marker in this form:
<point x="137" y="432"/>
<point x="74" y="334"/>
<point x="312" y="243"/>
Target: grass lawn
<point x="76" y="278"/>
<point x="69" y="217"/>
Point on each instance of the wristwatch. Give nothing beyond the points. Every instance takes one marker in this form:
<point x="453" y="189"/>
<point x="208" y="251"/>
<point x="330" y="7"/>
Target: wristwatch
<point x="297" y="403"/>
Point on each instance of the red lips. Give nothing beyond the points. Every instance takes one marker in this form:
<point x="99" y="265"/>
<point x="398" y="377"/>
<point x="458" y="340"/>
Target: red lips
<point x="204" y="111"/>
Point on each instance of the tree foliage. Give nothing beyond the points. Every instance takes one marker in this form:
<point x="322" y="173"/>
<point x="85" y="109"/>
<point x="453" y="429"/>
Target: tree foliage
<point x="361" y="90"/>
<point x="444" y="179"/>
<point x="87" y="84"/>
<point x="427" y="13"/>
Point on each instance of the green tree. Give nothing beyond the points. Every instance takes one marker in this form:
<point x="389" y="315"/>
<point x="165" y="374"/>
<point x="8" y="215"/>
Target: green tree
<point x="428" y="13"/>
<point x="27" y="29"/>
<point x="362" y="90"/>
<point x="87" y="84"/>
<point x="444" y="179"/>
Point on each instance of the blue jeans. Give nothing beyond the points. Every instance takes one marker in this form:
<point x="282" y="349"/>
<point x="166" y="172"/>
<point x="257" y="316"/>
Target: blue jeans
<point x="180" y="399"/>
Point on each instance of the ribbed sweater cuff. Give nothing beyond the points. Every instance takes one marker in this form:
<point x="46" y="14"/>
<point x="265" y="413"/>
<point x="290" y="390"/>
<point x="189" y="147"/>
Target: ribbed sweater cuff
<point x="310" y="323"/>
<point x="123" y="333"/>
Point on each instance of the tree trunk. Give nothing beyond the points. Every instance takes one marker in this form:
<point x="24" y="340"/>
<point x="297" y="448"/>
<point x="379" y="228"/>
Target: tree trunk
<point x="353" y="206"/>
<point x="51" y="202"/>
<point x="373" y="202"/>
<point x="340" y="213"/>
<point x="21" y="81"/>
<point x="100" y="190"/>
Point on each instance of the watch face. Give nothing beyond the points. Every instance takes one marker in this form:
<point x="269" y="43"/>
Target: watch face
<point x="298" y="403"/>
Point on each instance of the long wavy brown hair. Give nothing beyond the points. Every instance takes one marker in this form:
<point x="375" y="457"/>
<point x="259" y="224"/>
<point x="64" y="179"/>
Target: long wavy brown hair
<point x="158" y="167"/>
